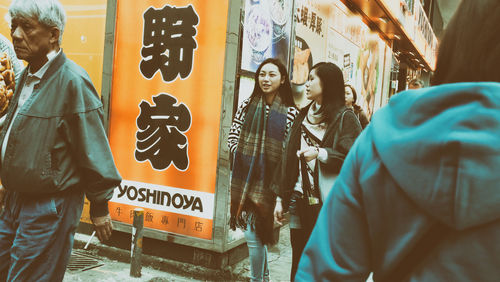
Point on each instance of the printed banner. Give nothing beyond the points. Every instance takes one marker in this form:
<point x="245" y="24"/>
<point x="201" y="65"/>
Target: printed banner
<point x="266" y="32"/>
<point x="185" y="211"/>
<point x="311" y="27"/>
<point x="165" y="111"/>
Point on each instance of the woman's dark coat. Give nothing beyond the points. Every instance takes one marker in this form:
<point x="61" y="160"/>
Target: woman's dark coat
<point x="288" y="172"/>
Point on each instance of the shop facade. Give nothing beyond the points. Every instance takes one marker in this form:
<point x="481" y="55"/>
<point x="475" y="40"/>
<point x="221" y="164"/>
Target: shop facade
<point x="171" y="74"/>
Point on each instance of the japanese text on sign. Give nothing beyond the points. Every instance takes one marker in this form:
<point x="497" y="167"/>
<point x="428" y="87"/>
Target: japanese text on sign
<point x="160" y="137"/>
<point x="168" y="43"/>
<point x="311" y="20"/>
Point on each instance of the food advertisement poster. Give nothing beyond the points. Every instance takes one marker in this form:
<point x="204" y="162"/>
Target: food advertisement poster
<point x="311" y="22"/>
<point x="164" y="115"/>
<point x="358" y="52"/>
<point x="332" y="33"/>
<point x="266" y="32"/>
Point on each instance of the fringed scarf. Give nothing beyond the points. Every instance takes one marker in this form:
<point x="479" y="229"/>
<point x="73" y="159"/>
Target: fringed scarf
<point x="260" y="148"/>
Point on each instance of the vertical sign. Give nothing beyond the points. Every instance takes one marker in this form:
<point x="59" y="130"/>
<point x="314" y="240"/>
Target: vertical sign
<point x="165" y="112"/>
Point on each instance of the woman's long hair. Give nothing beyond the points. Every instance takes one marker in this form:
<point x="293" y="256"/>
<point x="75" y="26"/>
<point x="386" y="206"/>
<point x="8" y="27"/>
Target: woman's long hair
<point x="332" y="84"/>
<point x="355" y="98"/>
<point x="470" y="49"/>
<point x="284" y="91"/>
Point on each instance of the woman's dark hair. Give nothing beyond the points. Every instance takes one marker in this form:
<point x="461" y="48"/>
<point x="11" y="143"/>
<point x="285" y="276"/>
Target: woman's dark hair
<point x="355" y="97"/>
<point x="332" y="84"/>
<point x="284" y="91"/>
<point x="470" y="48"/>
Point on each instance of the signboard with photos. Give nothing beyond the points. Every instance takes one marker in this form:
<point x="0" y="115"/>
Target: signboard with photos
<point x="166" y="92"/>
<point x="311" y="27"/>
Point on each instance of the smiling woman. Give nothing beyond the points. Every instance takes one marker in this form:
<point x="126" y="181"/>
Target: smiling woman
<point x="256" y="139"/>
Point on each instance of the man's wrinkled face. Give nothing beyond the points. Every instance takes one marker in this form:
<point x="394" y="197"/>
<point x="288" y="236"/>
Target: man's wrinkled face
<point x="31" y="39"/>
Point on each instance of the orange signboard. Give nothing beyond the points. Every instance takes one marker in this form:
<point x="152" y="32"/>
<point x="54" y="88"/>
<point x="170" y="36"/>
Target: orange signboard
<point x="165" y="111"/>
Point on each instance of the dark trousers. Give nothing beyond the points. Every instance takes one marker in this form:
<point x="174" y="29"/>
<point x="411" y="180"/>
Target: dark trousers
<point x="298" y="240"/>
<point x="36" y="235"/>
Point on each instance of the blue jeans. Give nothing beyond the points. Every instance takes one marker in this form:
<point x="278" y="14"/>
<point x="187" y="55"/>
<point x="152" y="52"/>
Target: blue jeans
<point x="257" y="252"/>
<point x="36" y="235"/>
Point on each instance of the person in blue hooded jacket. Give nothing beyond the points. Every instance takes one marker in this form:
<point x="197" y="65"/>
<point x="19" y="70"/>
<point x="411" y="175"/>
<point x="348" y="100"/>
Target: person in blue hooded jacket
<point x="418" y="196"/>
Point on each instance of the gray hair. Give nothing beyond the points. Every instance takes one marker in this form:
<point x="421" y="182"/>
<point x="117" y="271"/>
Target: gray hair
<point x="48" y="12"/>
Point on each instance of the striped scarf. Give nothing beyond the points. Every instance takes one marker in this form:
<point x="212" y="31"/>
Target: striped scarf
<point x="260" y="148"/>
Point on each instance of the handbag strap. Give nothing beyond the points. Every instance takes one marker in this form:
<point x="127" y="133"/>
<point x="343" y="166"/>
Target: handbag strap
<point x="307" y="188"/>
<point x="309" y="137"/>
<point x="419" y="252"/>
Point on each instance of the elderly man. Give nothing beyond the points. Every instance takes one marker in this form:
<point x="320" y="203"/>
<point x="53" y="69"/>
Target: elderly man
<point x="53" y="151"/>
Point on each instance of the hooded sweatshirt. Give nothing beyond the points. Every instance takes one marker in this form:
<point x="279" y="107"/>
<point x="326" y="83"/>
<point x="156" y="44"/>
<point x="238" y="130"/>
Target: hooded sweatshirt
<point x="431" y="156"/>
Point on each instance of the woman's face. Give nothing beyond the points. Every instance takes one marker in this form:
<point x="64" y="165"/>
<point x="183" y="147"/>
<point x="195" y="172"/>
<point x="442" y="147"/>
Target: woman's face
<point x="349" y="97"/>
<point x="270" y="78"/>
<point x="314" y="89"/>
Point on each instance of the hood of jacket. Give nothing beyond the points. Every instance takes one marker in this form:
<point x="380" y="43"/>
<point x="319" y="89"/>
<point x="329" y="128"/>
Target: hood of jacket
<point x="441" y="145"/>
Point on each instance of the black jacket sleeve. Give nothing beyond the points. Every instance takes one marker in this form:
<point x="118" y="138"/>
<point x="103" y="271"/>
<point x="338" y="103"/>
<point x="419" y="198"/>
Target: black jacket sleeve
<point x="350" y="129"/>
<point x="87" y="137"/>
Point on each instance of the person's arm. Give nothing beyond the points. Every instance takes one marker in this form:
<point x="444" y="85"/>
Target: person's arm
<point x="338" y="248"/>
<point x="351" y="129"/>
<point x="235" y="130"/>
<point x="85" y="134"/>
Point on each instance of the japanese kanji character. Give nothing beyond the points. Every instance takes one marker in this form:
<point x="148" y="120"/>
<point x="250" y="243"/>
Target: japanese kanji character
<point x="164" y="220"/>
<point x="319" y="23"/>
<point x="160" y="137"/>
<point x="168" y="43"/>
<point x="313" y="21"/>
<point x="198" y="226"/>
<point x="304" y="15"/>
<point x="148" y="217"/>
<point x="182" y="221"/>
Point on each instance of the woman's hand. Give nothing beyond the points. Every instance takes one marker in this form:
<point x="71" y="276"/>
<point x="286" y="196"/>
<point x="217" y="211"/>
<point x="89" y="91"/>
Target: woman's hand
<point x="278" y="212"/>
<point x="310" y="153"/>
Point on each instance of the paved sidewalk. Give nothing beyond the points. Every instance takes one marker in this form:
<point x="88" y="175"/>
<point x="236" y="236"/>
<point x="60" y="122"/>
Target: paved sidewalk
<point x="101" y="268"/>
<point x="158" y="269"/>
<point x="280" y="259"/>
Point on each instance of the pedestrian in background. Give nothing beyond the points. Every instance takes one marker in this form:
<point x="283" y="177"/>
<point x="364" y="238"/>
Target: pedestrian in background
<point x="418" y="196"/>
<point x="53" y="151"/>
<point x="257" y="139"/>
<point x="319" y="140"/>
<point x="350" y="100"/>
<point x="415" y="84"/>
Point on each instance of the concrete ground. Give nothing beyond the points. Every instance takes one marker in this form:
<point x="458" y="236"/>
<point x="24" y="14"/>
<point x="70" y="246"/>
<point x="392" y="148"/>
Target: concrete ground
<point x="107" y="267"/>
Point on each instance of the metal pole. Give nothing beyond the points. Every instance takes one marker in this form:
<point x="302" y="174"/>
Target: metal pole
<point x="136" y="250"/>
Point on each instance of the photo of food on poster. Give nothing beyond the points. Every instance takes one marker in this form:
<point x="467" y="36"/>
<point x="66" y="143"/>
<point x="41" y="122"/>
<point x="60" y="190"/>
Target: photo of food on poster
<point x="266" y="32"/>
<point x="309" y="45"/>
<point x="362" y="65"/>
